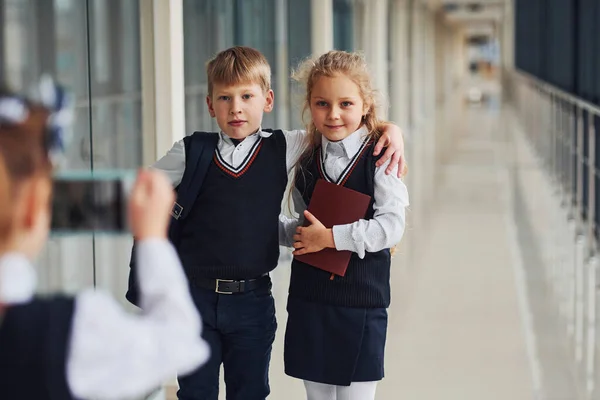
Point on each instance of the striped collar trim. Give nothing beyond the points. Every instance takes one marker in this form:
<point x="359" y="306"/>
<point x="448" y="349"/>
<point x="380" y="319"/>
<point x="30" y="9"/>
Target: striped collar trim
<point x="244" y="166"/>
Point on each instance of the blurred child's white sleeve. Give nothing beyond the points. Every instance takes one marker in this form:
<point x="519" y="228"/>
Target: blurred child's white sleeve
<point x="173" y="163"/>
<point x="288" y="225"/>
<point x="386" y="227"/>
<point x="114" y="354"/>
<point x="287" y="229"/>
<point x="17" y="279"/>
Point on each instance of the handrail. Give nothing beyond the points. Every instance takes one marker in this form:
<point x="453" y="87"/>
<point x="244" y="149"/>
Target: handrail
<point x="563" y="138"/>
<point x="594" y="109"/>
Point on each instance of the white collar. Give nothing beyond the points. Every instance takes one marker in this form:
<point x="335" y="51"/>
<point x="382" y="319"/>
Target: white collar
<point x="17" y="279"/>
<point x="223" y="136"/>
<point x="351" y="143"/>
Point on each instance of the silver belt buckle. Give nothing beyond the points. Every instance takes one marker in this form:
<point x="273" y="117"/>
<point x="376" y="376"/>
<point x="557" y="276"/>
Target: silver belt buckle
<point x="217" y="286"/>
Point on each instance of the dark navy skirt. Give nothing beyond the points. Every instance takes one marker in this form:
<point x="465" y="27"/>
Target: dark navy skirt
<point x="334" y="345"/>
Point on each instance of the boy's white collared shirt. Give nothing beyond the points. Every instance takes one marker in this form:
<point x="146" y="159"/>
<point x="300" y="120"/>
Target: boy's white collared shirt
<point x="173" y="163"/>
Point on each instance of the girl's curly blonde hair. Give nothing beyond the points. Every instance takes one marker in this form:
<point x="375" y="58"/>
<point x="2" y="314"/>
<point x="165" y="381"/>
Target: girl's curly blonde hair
<point x="351" y="65"/>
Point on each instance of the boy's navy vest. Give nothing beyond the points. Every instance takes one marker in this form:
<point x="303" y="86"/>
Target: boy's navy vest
<point x="225" y="222"/>
<point x="34" y="346"/>
<point x="367" y="281"/>
<point x="232" y="231"/>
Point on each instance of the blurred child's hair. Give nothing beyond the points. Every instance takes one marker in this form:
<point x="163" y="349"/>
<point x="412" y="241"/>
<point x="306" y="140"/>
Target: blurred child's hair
<point x="238" y="65"/>
<point x="23" y="155"/>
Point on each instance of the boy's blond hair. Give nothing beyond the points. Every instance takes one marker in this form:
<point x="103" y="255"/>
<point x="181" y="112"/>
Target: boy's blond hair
<point x="237" y="65"/>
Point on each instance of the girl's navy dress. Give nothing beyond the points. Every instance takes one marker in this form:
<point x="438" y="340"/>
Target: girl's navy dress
<point x="336" y="329"/>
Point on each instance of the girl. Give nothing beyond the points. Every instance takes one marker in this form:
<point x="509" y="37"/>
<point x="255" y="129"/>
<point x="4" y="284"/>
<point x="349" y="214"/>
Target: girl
<point x="86" y="346"/>
<point x="336" y="328"/>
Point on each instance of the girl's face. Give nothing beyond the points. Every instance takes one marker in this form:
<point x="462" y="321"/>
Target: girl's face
<point x="336" y="106"/>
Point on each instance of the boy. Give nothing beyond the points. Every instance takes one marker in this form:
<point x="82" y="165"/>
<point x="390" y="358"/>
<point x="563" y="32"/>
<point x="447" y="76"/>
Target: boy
<point x="229" y="241"/>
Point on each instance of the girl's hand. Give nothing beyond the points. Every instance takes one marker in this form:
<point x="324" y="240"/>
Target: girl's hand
<point x="150" y="205"/>
<point x="392" y="138"/>
<point x="312" y="238"/>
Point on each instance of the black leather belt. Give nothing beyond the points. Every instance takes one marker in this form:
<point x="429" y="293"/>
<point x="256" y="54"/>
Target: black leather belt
<point x="229" y="286"/>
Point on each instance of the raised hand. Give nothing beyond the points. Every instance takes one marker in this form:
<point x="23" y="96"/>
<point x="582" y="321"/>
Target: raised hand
<point x="312" y="238"/>
<point x="150" y="205"/>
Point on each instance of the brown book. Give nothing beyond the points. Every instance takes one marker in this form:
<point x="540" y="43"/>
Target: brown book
<point x="334" y="205"/>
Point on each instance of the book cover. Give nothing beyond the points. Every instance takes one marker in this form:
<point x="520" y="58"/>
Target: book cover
<point x="334" y="205"/>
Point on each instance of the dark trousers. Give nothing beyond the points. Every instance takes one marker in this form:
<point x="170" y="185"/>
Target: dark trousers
<point x="240" y="329"/>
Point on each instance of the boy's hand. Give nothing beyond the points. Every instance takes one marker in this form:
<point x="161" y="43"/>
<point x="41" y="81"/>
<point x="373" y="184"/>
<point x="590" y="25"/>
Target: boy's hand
<point x="150" y="205"/>
<point x="312" y="238"/>
<point x="392" y="138"/>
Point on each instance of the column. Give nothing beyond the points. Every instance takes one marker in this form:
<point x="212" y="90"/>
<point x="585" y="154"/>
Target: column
<point x="429" y="66"/>
<point x="508" y="38"/>
<point x="376" y="49"/>
<point x="163" y="92"/>
<point x="441" y="33"/>
<point x="322" y="26"/>
<point x="416" y="60"/>
<point x="359" y="24"/>
<point x="400" y="88"/>
<point x="400" y="95"/>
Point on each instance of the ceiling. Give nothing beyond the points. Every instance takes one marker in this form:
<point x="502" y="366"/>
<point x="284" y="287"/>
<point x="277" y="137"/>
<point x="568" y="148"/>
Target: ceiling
<point x="477" y="16"/>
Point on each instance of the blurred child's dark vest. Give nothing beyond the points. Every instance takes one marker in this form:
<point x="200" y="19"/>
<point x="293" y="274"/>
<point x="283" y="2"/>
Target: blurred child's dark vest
<point x="367" y="281"/>
<point x="34" y="348"/>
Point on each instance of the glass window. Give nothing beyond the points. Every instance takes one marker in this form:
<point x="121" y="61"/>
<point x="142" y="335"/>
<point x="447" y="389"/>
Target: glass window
<point x="93" y="47"/>
<point x="210" y="26"/>
<point x="299" y="48"/>
<point x="207" y="28"/>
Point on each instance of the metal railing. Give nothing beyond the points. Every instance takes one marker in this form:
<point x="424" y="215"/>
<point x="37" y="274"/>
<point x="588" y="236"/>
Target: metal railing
<point x="561" y="130"/>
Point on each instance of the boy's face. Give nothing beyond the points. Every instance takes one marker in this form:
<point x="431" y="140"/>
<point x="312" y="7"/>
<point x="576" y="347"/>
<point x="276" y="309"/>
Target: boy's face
<point x="239" y="108"/>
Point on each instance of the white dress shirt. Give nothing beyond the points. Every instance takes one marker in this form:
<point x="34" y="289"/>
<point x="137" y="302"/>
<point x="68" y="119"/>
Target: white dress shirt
<point x="114" y="354"/>
<point x="173" y="163"/>
<point x="17" y="279"/>
<point x="386" y="227"/>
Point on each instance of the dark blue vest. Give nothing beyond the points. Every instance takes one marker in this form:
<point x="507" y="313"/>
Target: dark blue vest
<point x="34" y="343"/>
<point x="232" y="230"/>
<point x="367" y="281"/>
